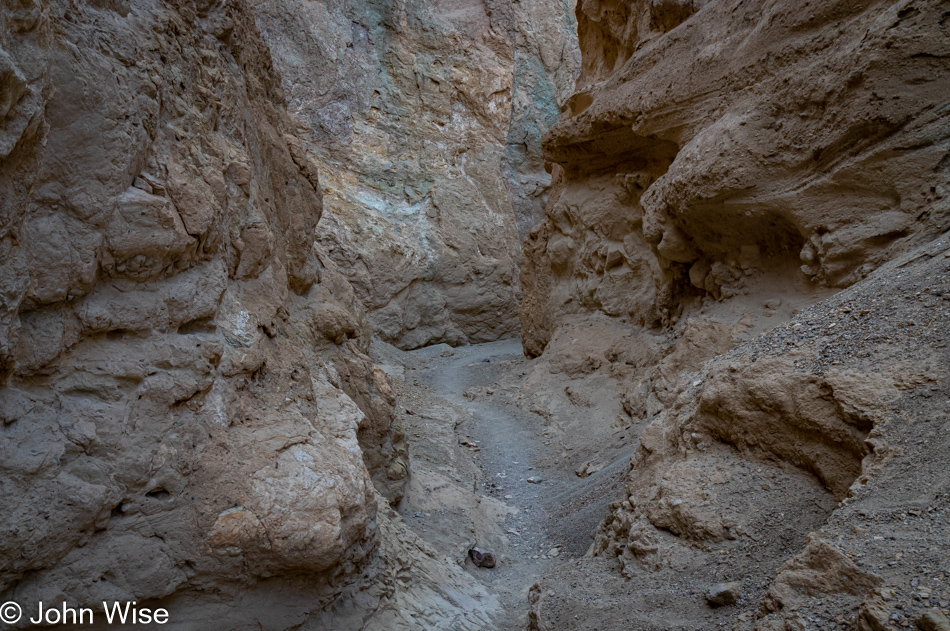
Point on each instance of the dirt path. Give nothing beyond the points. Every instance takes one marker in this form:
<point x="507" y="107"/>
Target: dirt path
<point x="473" y="452"/>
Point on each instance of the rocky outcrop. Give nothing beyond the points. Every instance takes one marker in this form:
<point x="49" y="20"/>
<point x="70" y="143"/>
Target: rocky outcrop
<point x="798" y="150"/>
<point x="741" y="272"/>
<point x="188" y="410"/>
<point x="425" y="120"/>
<point x="795" y="144"/>
<point x="808" y="463"/>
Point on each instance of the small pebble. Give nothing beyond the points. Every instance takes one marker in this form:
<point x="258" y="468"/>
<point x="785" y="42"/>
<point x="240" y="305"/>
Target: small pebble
<point x="933" y="620"/>
<point x="482" y="558"/>
<point x="723" y="594"/>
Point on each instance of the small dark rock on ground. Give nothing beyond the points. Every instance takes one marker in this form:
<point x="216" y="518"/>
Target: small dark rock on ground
<point x="482" y="558"/>
<point x="722" y="594"/>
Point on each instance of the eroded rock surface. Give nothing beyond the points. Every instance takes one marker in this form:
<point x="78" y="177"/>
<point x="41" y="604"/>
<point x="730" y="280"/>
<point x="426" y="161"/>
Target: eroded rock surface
<point x="765" y="140"/>
<point x="807" y="464"/>
<point x="425" y="119"/>
<point x="739" y="284"/>
<point x="724" y="168"/>
<point x="189" y="413"/>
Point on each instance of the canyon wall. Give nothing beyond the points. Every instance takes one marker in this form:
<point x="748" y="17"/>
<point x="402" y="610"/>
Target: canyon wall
<point x="425" y="120"/>
<point x="189" y="415"/>
<point x="724" y="171"/>
<point x="714" y="145"/>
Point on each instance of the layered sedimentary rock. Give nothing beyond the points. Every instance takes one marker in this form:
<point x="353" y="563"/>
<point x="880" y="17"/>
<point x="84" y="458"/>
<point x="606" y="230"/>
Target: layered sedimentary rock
<point x="722" y="167"/>
<point x="188" y="410"/>
<point x="425" y="119"/>
<point x="714" y="144"/>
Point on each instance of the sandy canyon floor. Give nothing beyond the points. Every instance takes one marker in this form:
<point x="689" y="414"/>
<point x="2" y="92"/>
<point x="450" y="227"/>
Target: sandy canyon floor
<point x="488" y="473"/>
<point x="492" y="469"/>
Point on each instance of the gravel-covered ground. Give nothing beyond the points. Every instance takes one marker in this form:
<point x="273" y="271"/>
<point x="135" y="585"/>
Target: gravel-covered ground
<point x="489" y="472"/>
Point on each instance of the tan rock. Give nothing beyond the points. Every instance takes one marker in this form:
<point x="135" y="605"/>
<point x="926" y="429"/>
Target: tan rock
<point x="426" y="131"/>
<point x="873" y="615"/>
<point x="734" y="184"/>
<point x="187" y="400"/>
<point x="723" y="594"/>
<point x="933" y="620"/>
<point x="819" y="569"/>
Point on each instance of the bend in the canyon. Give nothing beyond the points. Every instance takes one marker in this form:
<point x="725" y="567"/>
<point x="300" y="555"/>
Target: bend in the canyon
<point x="301" y="300"/>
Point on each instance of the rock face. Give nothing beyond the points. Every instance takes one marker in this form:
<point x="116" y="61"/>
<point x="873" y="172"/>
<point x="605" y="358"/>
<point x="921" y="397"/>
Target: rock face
<point x="188" y="410"/>
<point x="425" y="119"/>
<point x="188" y="414"/>
<point x="802" y="463"/>
<point x="707" y="150"/>
<point x="724" y="168"/>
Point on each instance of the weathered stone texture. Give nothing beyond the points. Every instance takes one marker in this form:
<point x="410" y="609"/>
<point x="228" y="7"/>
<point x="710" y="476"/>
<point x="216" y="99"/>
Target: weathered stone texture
<point x="188" y="410"/>
<point x="426" y="120"/>
<point x="723" y="169"/>
<point x="712" y="144"/>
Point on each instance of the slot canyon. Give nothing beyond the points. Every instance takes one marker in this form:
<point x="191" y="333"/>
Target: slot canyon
<point x="344" y="315"/>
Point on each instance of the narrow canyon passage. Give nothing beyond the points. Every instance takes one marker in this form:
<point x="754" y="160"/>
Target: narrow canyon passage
<point x="478" y="431"/>
<point x="488" y="473"/>
<point x="302" y="299"/>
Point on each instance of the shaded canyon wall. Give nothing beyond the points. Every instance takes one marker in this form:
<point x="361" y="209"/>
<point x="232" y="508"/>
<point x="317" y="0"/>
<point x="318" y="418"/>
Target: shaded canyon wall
<point x="189" y="415"/>
<point x="425" y="119"/>
<point x="724" y="170"/>
<point x="715" y="143"/>
<point x="208" y="209"/>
